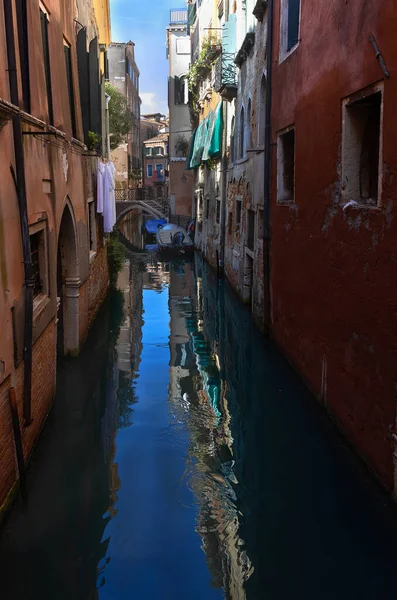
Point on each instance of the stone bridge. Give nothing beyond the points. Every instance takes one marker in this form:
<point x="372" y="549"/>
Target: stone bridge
<point x="145" y="198"/>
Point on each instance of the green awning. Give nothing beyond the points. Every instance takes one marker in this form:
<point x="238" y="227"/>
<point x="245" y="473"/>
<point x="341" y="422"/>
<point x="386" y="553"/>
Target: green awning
<point x="191" y="149"/>
<point x="213" y="144"/>
<point x="207" y="142"/>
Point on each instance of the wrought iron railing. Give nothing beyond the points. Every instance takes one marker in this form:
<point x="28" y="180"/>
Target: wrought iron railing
<point x="225" y="72"/>
<point x="155" y="197"/>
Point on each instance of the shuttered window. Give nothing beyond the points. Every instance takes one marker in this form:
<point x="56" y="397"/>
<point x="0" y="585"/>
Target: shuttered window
<point x="22" y="23"/>
<point x="69" y="79"/>
<point x="46" y="57"/>
<point x="293" y="23"/>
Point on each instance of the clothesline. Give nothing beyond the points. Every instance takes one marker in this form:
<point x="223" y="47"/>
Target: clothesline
<point x="106" y="199"/>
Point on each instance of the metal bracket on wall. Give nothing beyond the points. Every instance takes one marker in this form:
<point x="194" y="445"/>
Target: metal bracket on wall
<point x="379" y="57"/>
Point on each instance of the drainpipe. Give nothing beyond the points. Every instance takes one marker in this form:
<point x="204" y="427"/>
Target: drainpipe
<point x="23" y="214"/>
<point x="267" y="171"/>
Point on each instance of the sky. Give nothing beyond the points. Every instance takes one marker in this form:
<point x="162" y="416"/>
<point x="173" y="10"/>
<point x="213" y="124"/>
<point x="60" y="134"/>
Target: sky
<point x="145" y="23"/>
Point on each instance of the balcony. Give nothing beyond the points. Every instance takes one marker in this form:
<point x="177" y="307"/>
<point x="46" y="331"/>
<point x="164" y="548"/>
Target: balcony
<point x="178" y="16"/>
<point x="225" y="80"/>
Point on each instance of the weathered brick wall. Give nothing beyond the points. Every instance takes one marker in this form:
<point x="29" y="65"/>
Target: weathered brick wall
<point x="43" y="390"/>
<point x="98" y="283"/>
<point x="83" y="311"/>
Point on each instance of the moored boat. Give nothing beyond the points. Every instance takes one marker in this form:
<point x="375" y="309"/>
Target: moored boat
<point x="172" y="239"/>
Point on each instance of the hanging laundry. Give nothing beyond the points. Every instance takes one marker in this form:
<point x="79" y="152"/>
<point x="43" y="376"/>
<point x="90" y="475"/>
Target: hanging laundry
<point x="100" y="177"/>
<point x="109" y="198"/>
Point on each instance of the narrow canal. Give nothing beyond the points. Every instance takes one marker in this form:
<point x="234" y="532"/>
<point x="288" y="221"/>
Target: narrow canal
<point x="183" y="459"/>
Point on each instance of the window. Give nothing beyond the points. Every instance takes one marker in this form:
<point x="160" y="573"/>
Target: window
<point x="248" y="137"/>
<point x="260" y="224"/>
<point x="166" y="150"/>
<point x="92" y="227"/>
<point x="183" y="45"/>
<point x="242" y="134"/>
<point x="290" y="16"/>
<point x="159" y="171"/>
<point x="69" y="79"/>
<point x="218" y="210"/>
<point x="158" y="150"/>
<point x="150" y="170"/>
<point x="232" y="141"/>
<point x="46" y="57"/>
<point x="262" y="113"/>
<point x="250" y="229"/>
<point x="181" y="90"/>
<point x="239" y="202"/>
<point x="149" y="151"/>
<point x="286" y="166"/>
<point x="361" y="148"/>
<point x="38" y="247"/>
<point x="230" y="223"/>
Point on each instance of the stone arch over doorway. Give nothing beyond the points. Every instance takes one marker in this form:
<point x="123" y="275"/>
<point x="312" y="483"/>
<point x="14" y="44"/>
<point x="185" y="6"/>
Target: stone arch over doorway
<point x="68" y="284"/>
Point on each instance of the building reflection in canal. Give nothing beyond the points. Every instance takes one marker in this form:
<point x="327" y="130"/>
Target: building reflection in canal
<point x="198" y="402"/>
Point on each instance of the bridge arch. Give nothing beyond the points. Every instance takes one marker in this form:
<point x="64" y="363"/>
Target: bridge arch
<point x="123" y="208"/>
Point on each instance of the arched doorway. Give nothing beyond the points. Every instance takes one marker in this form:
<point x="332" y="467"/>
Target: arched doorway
<point x="68" y="286"/>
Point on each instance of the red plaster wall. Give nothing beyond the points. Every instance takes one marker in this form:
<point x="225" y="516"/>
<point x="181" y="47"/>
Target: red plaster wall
<point x="333" y="272"/>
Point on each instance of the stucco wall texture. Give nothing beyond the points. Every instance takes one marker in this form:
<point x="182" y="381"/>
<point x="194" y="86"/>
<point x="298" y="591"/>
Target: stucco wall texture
<point x="60" y="180"/>
<point x="333" y="270"/>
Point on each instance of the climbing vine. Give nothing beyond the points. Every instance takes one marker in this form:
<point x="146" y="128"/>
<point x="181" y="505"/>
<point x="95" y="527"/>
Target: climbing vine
<point x="209" y="52"/>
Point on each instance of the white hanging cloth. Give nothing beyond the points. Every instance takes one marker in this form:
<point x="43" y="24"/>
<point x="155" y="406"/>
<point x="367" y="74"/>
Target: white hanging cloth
<point x="109" y="198"/>
<point x="99" y="194"/>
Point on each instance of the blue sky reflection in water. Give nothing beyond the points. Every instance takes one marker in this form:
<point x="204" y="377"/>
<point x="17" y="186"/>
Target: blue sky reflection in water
<point x="154" y="549"/>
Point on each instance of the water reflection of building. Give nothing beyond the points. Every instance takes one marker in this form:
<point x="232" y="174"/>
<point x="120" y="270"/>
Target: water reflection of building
<point x="198" y="395"/>
<point x="130" y="228"/>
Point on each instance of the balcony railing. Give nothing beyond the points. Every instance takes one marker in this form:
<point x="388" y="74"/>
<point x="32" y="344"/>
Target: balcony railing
<point x="225" y="79"/>
<point x="178" y="16"/>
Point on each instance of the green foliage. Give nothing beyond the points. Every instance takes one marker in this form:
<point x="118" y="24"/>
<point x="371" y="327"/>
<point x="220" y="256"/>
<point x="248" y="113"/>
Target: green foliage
<point x="116" y="257"/>
<point x="212" y="163"/>
<point x="199" y="69"/>
<point x="135" y="174"/>
<point x="94" y="141"/>
<point x="120" y="117"/>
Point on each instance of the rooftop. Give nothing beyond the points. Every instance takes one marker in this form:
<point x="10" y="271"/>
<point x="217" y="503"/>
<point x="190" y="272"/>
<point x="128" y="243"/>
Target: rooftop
<point x="162" y="137"/>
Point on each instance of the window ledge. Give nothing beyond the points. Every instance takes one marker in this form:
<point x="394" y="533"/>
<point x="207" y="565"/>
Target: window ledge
<point x="285" y="202"/>
<point x="256" y="150"/>
<point x="285" y="55"/>
<point x="353" y="205"/>
<point x="39" y="304"/>
<point x="249" y="252"/>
